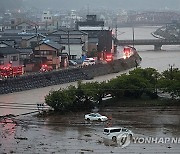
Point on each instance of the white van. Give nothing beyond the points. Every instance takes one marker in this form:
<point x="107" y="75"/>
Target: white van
<point x="88" y="61"/>
<point x="113" y="132"/>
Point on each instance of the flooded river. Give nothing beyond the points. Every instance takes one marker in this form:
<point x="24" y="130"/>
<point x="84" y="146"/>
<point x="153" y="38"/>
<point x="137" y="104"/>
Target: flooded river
<point x="159" y="60"/>
<point x="71" y="134"/>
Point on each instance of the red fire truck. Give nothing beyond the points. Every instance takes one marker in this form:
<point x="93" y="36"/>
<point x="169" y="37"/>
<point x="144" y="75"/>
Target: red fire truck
<point x="45" y="68"/>
<point x="9" y="71"/>
<point x="106" y="56"/>
<point x="128" y="51"/>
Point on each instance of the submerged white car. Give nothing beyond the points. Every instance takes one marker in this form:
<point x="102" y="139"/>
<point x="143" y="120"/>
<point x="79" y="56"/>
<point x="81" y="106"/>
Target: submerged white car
<point x="95" y="116"/>
<point x="113" y="133"/>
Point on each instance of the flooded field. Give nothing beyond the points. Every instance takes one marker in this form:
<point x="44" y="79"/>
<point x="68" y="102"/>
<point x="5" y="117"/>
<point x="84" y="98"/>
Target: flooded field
<point x="72" y="134"/>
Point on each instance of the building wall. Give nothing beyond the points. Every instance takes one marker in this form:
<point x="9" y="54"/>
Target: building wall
<point x="9" y="62"/>
<point x="44" y="47"/>
<point x="75" y="49"/>
<point x="46" y="16"/>
<point x="91" y="47"/>
<point x="52" y="59"/>
<point x="23" y="44"/>
<point x="1" y="28"/>
<point x="24" y="26"/>
<point x="28" y="42"/>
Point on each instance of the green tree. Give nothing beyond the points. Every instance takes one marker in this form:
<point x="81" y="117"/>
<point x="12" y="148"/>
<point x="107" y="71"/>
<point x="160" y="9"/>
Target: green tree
<point x="61" y="100"/>
<point x="116" y="87"/>
<point x="151" y="76"/>
<point x="128" y="86"/>
<point x="95" y="91"/>
<point x="170" y="82"/>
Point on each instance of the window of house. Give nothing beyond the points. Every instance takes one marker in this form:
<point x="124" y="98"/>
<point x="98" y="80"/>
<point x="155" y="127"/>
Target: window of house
<point x="23" y="56"/>
<point x="44" y="52"/>
<point x="47" y="52"/>
<point x="14" y="58"/>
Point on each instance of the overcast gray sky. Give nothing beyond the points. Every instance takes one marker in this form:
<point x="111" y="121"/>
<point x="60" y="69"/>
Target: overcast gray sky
<point x="93" y="4"/>
<point x="124" y="4"/>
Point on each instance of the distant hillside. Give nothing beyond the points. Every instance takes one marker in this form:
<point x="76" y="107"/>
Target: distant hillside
<point x="10" y="4"/>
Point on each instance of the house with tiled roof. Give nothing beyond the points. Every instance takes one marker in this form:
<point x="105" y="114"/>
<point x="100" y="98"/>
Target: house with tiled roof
<point x="75" y="41"/>
<point x="5" y="44"/>
<point x="9" y="56"/>
<point x="26" y="25"/>
<point x="31" y="40"/>
<point x="49" y="53"/>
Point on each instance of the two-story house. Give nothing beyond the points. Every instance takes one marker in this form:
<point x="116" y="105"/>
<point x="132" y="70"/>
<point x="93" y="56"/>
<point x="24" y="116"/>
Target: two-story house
<point x="9" y="57"/>
<point x="30" y="40"/>
<point x="49" y="53"/>
<point x="75" y="41"/>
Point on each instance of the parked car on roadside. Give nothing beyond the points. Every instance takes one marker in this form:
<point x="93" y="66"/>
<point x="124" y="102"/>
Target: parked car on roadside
<point x="96" y="117"/>
<point x="88" y="61"/>
<point x="72" y="63"/>
<point x="112" y="133"/>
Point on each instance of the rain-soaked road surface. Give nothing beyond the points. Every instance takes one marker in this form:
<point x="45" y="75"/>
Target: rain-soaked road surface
<point x="71" y="134"/>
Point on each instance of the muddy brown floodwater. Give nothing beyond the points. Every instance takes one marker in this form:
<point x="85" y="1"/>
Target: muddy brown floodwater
<point x="70" y="133"/>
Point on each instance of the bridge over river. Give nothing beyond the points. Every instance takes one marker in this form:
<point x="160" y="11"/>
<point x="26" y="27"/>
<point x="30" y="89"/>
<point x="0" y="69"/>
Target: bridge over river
<point x="158" y="43"/>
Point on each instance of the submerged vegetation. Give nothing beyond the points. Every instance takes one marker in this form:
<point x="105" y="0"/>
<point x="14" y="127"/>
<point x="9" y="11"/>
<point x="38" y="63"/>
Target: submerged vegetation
<point x="135" y="85"/>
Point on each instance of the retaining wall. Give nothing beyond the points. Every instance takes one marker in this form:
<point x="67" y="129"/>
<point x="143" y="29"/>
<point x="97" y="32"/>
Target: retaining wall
<point x="112" y="67"/>
<point x="40" y="80"/>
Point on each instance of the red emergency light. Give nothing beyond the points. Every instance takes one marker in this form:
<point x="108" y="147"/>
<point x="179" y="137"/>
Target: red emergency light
<point x="44" y="65"/>
<point x="127" y="52"/>
<point x="109" y="57"/>
<point x="7" y="71"/>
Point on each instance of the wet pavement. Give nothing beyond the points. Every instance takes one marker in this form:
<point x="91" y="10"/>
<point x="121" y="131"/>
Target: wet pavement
<point x="70" y="133"/>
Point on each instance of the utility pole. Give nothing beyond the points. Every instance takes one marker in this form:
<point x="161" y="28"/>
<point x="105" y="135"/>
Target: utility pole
<point x="57" y="25"/>
<point x="69" y="50"/>
<point x="46" y="25"/>
<point x="133" y="35"/>
<point x="116" y="34"/>
<point x="37" y="36"/>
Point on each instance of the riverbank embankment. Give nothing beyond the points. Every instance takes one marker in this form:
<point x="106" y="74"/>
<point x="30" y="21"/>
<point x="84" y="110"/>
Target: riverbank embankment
<point x="40" y="80"/>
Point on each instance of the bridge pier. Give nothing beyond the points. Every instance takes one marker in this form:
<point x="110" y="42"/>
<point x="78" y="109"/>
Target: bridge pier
<point x="157" y="47"/>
